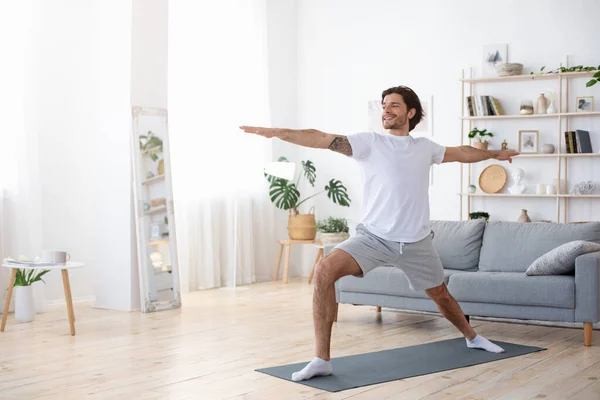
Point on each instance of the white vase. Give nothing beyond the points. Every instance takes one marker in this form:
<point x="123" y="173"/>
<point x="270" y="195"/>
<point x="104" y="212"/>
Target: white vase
<point x="552" y="108"/>
<point x="24" y="306"/>
<point x="39" y="297"/>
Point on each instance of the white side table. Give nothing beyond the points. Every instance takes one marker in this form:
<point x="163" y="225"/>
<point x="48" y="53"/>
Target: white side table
<point x="67" y="286"/>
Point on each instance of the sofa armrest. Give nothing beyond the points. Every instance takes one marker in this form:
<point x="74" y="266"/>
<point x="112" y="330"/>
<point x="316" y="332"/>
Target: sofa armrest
<point x="587" y="287"/>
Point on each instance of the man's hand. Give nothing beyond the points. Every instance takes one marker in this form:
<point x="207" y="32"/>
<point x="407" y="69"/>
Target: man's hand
<point x="505" y="155"/>
<point x="469" y="154"/>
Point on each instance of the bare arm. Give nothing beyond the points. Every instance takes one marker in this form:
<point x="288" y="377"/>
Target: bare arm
<point x="305" y="137"/>
<point x="469" y="154"/>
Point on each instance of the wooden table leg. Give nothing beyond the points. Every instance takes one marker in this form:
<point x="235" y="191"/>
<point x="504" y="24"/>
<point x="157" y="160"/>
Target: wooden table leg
<point x="11" y="284"/>
<point x="286" y="266"/>
<point x="69" y="300"/>
<point x="312" y="272"/>
<point x="278" y="262"/>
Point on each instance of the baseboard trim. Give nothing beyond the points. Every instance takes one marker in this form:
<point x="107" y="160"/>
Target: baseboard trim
<point x="82" y="299"/>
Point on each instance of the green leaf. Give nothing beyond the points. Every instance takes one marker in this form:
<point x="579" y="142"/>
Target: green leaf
<point x="542" y="68"/>
<point x="597" y="74"/>
<point x="333" y="225"/>
<point x="336" y="191"/>
<point x="272" y="178"/>
<point x="310" y="172"/>
<point x="284" y="194"/>
<point x="591" y="83"/>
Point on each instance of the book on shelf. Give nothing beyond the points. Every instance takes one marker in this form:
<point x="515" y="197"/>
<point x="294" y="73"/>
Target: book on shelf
<point x="578" y="142"/>
<point x="480" y="106"/>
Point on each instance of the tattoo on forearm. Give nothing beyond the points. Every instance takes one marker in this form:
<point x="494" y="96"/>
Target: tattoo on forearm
<point x="341" y="145"/>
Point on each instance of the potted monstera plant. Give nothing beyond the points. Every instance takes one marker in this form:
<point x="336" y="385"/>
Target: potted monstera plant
<point x="285" y="195"/>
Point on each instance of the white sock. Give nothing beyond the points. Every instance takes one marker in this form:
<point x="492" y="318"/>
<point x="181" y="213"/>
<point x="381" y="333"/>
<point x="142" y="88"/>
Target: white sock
<point x="479" y="342"/>
<point x="317" y="367"/>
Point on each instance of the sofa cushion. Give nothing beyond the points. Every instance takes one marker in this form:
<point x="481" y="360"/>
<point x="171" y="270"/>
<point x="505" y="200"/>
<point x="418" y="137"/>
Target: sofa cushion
<point x="458" y="243"/>
<point x="513" y="246"/>
<point x="561" y="260"/>
<point x="386" y="280"/>
<point x="514" y="288"/>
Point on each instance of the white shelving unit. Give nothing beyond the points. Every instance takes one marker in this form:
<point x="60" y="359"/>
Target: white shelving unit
<point x="562" y="117"/>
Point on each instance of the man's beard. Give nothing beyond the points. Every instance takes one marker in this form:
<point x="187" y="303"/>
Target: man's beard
<point x="399" y="123"/>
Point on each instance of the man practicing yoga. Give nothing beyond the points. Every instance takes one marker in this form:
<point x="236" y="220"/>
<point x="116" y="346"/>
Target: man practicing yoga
<point x="395" y="230"/>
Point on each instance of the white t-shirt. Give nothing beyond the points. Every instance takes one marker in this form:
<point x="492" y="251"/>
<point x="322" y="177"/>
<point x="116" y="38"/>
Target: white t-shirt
<point x="395" y="171"/>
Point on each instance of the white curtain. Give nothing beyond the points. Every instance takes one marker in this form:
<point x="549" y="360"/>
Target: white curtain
<point x="20" y="211"/>
<point x="218" y="80"/>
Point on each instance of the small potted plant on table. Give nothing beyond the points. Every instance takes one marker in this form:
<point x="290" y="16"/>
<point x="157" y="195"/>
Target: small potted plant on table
<point x="332" y="230"/>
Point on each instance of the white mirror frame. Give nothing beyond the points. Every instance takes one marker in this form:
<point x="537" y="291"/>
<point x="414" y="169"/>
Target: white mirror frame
<point x="142" y="216"/>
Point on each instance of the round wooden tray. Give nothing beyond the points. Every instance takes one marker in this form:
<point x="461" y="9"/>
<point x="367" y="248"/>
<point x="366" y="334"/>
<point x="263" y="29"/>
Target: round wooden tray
<point x="492" y="179"/>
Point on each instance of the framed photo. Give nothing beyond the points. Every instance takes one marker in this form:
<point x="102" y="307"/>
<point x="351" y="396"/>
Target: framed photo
<point x="493" y="54"/>
<point x="425" y="127"/>
<point x="585" y="103"/>
<point x="375" y="110"/>
<point x="528" y="142"/>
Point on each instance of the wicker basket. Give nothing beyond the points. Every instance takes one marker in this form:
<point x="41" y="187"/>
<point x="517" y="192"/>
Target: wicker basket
<point x="302" y="226"/>
<point x="508" y="69"/>
<point x="332" y="238"/>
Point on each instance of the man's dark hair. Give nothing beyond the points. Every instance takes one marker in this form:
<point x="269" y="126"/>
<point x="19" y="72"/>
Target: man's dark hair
<point x="412" y="101"/>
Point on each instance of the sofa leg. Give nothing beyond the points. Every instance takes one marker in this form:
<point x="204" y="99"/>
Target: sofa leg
<point x="378" y="309"/>
<point x="337" y="306"/>
<point x="587" y="333"/>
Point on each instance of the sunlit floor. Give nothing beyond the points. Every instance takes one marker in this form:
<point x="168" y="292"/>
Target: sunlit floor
<point x="211" y="347"/>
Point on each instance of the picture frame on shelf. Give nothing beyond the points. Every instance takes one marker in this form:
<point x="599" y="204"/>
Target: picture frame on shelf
<point x="585" y="103"/>
<point x="529" y="142"/>
<point x="493" y="54"/>
<point x="425" y="127"/>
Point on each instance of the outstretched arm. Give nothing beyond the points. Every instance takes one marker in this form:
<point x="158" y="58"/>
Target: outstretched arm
<point x="305" y="137"/>
<point x="469" y="154"/>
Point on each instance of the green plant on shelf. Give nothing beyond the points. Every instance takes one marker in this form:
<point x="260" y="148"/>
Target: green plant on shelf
<point x="151" y="141"/>
<point x="480" y="135"/>
<point x="578" y="68"/>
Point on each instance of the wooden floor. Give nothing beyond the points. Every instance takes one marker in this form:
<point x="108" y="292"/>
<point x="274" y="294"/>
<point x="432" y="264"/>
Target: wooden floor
<point x="210" y="348"/>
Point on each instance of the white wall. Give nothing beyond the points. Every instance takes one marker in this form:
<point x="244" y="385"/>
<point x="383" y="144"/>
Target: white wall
<point x="349" y="51"/>
<point x="115" y="284"/>
<point x="149" y="41"/>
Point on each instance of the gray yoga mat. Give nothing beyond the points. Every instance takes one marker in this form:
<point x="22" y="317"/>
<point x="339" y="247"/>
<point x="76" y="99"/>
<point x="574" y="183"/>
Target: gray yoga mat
<point x="406" y="362"/>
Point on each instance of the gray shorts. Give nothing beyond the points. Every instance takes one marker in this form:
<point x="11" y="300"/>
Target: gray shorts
<point x="420" y="261"/>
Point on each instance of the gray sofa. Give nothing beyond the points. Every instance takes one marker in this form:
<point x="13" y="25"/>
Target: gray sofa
<point x="485" y="266"/>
